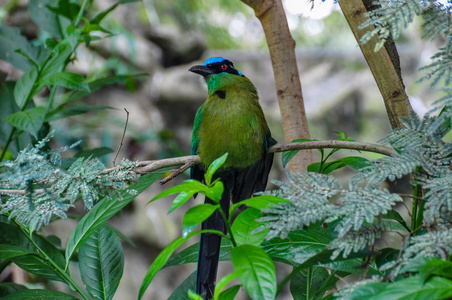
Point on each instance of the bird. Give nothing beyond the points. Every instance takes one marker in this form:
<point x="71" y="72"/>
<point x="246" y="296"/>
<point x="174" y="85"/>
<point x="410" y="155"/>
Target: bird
<point x="230" y="121"/>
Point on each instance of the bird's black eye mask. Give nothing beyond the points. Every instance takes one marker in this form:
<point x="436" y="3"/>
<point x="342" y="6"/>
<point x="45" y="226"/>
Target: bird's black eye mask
<point x="224" y="67"/>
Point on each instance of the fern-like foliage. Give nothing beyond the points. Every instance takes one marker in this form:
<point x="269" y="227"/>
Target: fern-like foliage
<point x="36" y="187"/>
<point x="392" y="17"/>
<point x="395" y="15"/>
<point x="356" y="214"/>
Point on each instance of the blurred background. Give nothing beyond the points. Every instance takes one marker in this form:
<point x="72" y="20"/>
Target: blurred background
<point x="160" y="40"/>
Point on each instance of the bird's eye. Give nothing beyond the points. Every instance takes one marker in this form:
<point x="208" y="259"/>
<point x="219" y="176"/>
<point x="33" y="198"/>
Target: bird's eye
<point x="224" y="67"/>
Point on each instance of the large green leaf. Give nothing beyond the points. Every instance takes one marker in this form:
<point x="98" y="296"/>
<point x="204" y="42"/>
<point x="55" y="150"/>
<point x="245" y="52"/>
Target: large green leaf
<point x="69" y="111"/>
<point x="29" y="120"/>
<point x="256" y="271"/>
<point x="181" y="291"/>
<point x="101" y="263"/>
<point x="163" y="257"/>
<point x="259" y="202"/>
<point x="9" y="288"/>
<point x="214" y="166"/>
<point x="104" y="210"/>
<point x="299" y="246"/>
<point x="229" y="293"/>
<point x="196" y="215"/>
<point x="96" y="85"/>
<point x="56" y="60"/>
<point x="8" y="251"/>
<point x="412" y="288"/>
<point x="68" y="80"/>
<point x="24" y="88"/>
<point x="321" y="281"/>
<point x="436" y="267"/>
<point x="11" y="40"/>
<point x="7" y="107"/>
<point x="190" y="254"/>
<point x="44" y="18"/>
<point x="245" y="224"/>
<point x="36" y="294"/>
<point x="32" y="263"/>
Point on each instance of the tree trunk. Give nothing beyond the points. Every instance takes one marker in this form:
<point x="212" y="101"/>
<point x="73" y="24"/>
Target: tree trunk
<point x="282" y="53"/>
<point x="384" y="64"/>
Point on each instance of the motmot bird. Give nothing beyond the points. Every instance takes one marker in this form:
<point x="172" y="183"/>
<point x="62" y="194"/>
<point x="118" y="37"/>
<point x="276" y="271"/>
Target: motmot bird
<point x="230" y="120"/>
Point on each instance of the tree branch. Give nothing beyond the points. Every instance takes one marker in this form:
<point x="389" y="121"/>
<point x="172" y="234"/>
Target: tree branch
<point x="188" y="161"/>
<point x="287" y="80"/>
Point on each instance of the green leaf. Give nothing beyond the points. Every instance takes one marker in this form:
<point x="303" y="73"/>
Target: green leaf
<point x="104" y="210"/>
<point x="96" y="85"/>
<point x="36" y="294"/>
<point x="100" y="16"/>
<point x="69" y="111"/>
<point x="327" y="167"/>
<point x="56" y="60"/>
<point x="29" y="120"/>
<point x="181" y="291"/>
<point x="368" y="290"/>
<point x="259" y="202"/>
<point x="394" y="215"/>
<point x="215" y="192"/>
<point x="214" y="166"/>
<point x="66" y="79"/>
<point x="355" y="162"/>
<point x="190" y="254"/>
<point x="230" y="293"/>
<point x="189" y="186"/>
<point x="219" y="294"/>
<point x="66" y="9"/>
<point x="10" y="41"/>
<point x="8" y="251"/>
<point x="256" y="271"/>
<point x="196" y="215"/>
<point x="44" y="18"/>
<point x="24" y="89"/>
<point x="299" y="247"/>
<point x="437" y="267"/>
<point x="9" y="288"/>
<point x="163" y="257"/>
<point x="288" y="155"/>
<point x="96" y="152"/>
<point x="411" y="288"/>
<point x="101" y="263"/>
<point x="245" y="224"/>
<point x="321" y="281"/>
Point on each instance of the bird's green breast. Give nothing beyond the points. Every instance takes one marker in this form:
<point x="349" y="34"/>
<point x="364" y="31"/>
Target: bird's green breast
<point x="231" y="121"/>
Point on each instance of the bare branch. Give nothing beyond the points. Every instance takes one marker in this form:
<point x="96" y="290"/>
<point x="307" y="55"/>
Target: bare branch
<point x="188" y="161"/>
<point x="122" y="139"/>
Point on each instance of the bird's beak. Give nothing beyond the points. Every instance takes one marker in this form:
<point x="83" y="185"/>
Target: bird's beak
<point x="201" y="70"/>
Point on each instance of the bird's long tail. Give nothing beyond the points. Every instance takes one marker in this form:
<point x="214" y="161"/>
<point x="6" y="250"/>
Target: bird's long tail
<point x="209" y="248"/>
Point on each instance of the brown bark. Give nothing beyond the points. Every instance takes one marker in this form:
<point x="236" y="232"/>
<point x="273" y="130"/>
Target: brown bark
<point x="287" y="80"/>
<point x="384" y="64"/>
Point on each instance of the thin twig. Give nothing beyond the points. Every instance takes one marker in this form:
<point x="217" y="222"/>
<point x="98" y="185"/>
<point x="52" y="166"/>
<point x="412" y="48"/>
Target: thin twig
<point x="177" y="172"/>
<point x="122" y="139"/>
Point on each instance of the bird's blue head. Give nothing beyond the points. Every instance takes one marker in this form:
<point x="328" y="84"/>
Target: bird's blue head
<point x="215" y="65"/>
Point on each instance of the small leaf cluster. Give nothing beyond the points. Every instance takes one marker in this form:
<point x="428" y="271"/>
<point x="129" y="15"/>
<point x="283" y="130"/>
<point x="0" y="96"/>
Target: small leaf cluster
<point x="38" y="187"/>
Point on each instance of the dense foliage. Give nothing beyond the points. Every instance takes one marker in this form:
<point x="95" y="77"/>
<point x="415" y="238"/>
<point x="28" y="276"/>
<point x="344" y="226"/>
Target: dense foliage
<point x="324" y="229"/>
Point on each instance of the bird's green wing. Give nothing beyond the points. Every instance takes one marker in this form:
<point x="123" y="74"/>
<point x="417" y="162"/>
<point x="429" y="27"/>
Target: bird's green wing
<point x="196" y="171"/>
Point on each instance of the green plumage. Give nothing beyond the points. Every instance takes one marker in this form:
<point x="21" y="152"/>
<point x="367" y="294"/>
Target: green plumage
<point x="230" y="120"/>
<point x="235" y="124"/>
